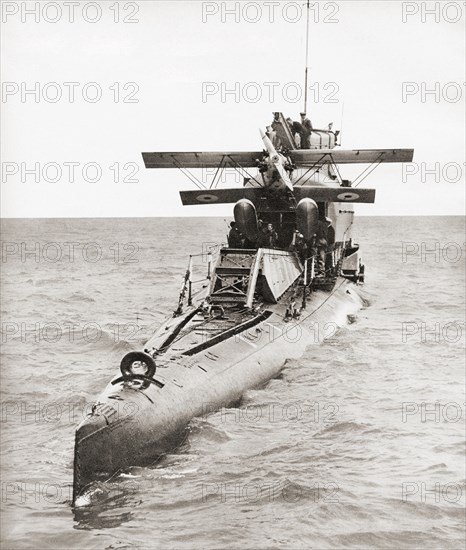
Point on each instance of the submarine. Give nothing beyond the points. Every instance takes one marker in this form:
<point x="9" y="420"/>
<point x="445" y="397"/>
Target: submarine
<point x="290" y="267"/>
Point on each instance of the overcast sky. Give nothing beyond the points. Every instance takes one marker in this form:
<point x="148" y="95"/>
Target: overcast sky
<point x="360" y="55"/>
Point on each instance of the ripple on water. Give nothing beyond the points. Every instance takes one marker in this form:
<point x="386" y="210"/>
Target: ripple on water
<point x="316" y="459"/>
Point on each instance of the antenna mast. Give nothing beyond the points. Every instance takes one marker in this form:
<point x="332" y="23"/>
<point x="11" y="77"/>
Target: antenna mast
<point x="341" y="123"/>
<point x="307" y="56"/>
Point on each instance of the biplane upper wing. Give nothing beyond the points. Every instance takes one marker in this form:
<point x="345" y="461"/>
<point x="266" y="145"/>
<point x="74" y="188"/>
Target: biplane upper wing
<point x="201" y="160"/>
<point x="317" y="193"/>
<point x="312" y="157"/>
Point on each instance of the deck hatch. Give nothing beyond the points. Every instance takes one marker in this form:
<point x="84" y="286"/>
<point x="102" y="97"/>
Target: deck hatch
<point x="228" y="333"/>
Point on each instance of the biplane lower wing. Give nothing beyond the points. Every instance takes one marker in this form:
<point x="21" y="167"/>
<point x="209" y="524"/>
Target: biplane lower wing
<point x="204" y="159"/>
<point x="220" y="196"/>
<point x="311" y="157"/>
<point x="334" y="194"/>
<point x="319" y="194"/>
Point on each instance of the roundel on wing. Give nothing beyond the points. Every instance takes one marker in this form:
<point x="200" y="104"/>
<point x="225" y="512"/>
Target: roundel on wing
<point x="348" y="196"/>
<point x="207" y="197"/>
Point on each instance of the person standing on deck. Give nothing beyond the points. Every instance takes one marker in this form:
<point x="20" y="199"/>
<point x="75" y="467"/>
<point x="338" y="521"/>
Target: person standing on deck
<point x="307" y="129"/>
<point x="271" y="235"/>
<point x="297" y="129"/>
<point x="272" y="135"/>
<point x="235" y="239"/>
<point x="321" y="245"/>
<point x="267" y="237"/>
<point x="262" y="240"/>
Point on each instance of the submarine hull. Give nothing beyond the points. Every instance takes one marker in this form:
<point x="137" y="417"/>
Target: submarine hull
<point x="134" y="424"/>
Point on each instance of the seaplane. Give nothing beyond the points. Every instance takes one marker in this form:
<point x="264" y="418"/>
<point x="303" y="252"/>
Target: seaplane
<point x="292" y="267"/>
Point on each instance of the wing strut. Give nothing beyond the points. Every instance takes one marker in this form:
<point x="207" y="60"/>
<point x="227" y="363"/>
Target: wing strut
<point x="335" y="167"/>
<point x="239" y="168"/>
<point x="188" y="174"/>
<point x="220" y="168"/>
<point x="317" y="163"/>
<point x="367" y="171"/>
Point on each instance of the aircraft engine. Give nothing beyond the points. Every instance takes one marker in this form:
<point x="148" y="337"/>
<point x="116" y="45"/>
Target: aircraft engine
<point x="307" y="216"/>
<point x="246" y="218"/>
